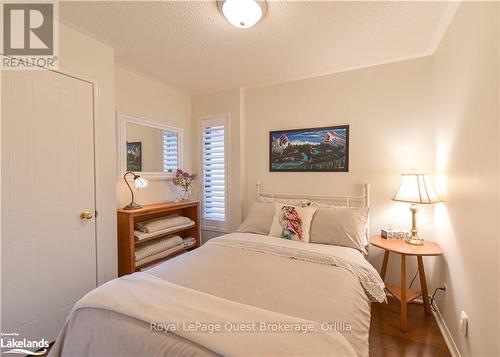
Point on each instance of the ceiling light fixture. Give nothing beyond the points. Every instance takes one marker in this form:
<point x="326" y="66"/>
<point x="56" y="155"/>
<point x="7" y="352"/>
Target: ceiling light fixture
<point x="242" y="13"/>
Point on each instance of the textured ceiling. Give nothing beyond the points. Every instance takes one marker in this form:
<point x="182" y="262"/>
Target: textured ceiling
<point x="191" y="46"/>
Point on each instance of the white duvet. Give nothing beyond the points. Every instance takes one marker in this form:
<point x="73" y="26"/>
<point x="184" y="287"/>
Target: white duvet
<point x="241" y="278"/>
<point x="342" y="257"/>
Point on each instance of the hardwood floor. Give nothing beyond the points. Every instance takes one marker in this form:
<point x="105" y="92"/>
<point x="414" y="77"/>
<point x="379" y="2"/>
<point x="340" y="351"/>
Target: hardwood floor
<point x="423" y="338"/>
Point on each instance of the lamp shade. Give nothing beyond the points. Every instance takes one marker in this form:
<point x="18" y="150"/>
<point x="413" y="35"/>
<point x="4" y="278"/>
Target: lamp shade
<point x="416" y="188"/>
<point x="140" y="182"/>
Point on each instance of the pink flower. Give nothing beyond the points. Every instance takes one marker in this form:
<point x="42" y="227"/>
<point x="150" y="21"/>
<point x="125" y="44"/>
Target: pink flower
<point x="183" y="178"/>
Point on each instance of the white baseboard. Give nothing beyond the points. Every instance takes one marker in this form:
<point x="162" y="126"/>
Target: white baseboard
<point x="452" y="346"/>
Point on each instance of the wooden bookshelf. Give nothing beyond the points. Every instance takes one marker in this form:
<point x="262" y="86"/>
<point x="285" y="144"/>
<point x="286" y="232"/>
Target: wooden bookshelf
<point x="126" y="224"/>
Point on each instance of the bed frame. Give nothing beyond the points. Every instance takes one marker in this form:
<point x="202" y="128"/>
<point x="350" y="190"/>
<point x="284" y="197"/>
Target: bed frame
<point x="348" y="201"/>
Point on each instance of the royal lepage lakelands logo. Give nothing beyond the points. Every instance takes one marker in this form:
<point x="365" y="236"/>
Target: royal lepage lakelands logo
<point x="30" y="35"/>
<point x="11" y="343"/>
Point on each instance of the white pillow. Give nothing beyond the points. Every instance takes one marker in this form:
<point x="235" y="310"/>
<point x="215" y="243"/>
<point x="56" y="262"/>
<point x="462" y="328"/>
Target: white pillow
<point x="259" y="219"/>
<point x="345" y="226"/>
<point x="292" y="222"/>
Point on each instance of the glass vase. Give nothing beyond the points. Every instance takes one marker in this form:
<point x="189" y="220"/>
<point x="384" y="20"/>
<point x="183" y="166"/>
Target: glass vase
<point x="184" y="194"/>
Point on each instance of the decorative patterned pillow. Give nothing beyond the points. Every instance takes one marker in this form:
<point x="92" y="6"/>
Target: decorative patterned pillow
<point x="292" y="222"/>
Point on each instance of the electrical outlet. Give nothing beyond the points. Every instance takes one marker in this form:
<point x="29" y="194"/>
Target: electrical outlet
<point x="464" y="323"/>
<point x="445" y="286"/>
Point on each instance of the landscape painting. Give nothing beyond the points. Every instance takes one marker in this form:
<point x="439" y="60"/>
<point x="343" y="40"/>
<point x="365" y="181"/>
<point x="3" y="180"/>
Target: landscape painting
<point x="315" y="149"/>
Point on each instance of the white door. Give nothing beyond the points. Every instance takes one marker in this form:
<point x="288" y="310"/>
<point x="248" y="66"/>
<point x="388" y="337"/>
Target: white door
<point x="48" y="251"/>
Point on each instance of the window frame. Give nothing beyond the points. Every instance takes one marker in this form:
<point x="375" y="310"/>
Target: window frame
<point x="214" y="120"/>
<point x="122" y="120"/>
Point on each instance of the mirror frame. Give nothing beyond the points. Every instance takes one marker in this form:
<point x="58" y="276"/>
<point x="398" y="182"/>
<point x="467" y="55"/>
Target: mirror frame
<point x="122" y="120"/>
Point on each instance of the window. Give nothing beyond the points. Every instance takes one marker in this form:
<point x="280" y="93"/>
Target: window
<point x="170" y="151"/>
<point x="214" y="159"/>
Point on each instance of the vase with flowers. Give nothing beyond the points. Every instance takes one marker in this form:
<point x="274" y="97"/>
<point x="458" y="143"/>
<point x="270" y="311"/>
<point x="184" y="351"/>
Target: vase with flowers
<point x="184" y="180"/>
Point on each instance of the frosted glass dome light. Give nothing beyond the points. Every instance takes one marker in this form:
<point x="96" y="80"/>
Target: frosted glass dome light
<point x="242" y="13"/>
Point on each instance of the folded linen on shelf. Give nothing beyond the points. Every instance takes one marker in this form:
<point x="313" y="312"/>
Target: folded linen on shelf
<point x="159" y="255"/>
<point x="160" y="223"/>
<point x="138" y="235"/>
<point x="156" y="246"/>
<point x="189" y="241"/>
<point x="151" y="266"/>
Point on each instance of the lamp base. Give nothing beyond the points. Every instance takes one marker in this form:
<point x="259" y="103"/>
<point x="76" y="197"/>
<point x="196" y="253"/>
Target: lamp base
<point x="415" y="240"/>
<point x="132" y="205"/>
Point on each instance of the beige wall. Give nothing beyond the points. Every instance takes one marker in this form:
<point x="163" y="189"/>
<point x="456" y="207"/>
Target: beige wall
<point x="391" y="131"/>
<point x="149" y="99"/>
<point x="226" y="102"/>
<point x="86" y="57"/>
<point x="466" y="84"/>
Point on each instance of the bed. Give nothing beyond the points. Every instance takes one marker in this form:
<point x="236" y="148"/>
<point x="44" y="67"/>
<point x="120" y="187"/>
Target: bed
<point x="239" y="294"/>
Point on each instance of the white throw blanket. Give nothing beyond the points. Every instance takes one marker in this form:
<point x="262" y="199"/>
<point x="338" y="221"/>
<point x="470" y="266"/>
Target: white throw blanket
<point x="177" y="308"/>
<point x="342" y="257"/>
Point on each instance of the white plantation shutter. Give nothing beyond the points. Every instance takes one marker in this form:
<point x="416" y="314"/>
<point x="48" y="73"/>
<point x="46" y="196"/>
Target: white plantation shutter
<point x="214" y="169"/>
<point x="170" y="151"/>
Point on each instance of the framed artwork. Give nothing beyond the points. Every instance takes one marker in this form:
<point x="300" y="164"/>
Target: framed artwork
<point x="134" y="156"/>
<point x="309" y="150"/>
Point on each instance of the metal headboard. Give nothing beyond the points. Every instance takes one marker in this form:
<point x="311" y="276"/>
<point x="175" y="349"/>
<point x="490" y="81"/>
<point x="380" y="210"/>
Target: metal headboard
<point x="349" y="201"/>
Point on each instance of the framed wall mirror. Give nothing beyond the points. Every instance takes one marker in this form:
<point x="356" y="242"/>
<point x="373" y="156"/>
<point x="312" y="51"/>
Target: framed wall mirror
<point x="151" y="149"/>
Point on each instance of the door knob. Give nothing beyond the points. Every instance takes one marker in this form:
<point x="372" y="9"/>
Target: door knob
<point x="86" y="215"/>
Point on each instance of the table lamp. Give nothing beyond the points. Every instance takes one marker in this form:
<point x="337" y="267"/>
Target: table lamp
<point x="140" y="183"/>
<point x="414" y="189"/>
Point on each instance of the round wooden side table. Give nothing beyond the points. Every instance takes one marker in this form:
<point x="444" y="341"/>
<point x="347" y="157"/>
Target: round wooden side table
<point x="403" y="294"/>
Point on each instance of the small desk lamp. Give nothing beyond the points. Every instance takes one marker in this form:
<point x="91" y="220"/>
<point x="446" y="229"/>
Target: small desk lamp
<point x="139" y="184"/>
<point x="415" y="188"/>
